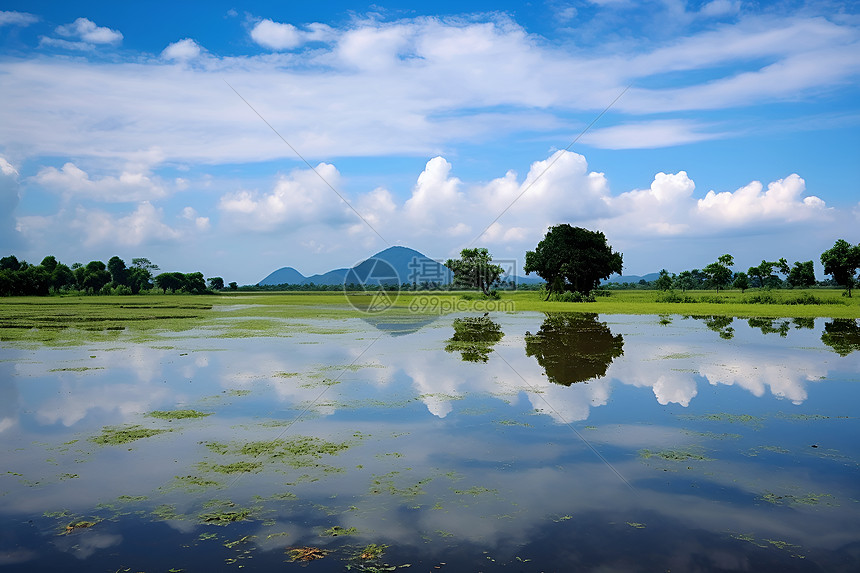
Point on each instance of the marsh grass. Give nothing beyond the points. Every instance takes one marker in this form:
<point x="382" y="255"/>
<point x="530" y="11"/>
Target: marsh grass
<point x="68" y="321"/>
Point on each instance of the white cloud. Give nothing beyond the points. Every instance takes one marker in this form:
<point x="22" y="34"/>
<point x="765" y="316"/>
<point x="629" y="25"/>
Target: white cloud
<point x="663" y="209"/>
<point x="70" y="180"/>
<point x="65" y="44"/>
<point x="7" y="169"/>
<point x="143" y="225"/>
<point x="9" y="199"/>
<point x="87" y="31"/>
<point x="301" y="198"/>
<point x="436" y="197"/>
<point x="333" y="90"/>
<point x="13" y="18"/>
<point x="280" y="36"/>
<point x="200" y="223"/>
<point x="182" y="50"/>
<point x="717" y="8"/>
<point x="275" y="35"/>
<point x="781" y="201"/>
<point x="648" y="135"/>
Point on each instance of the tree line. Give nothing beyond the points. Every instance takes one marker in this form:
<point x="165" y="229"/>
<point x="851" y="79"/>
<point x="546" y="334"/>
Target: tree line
<point x="841" y="262"/>
<point x="573" y="261"/>
<point x="20" y="278"/>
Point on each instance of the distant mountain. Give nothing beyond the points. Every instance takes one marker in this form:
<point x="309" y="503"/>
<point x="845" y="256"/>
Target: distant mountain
<point x="334" y="277"/>
<point x="527" y="280"/>
<point x="284" y="276"/>
<point x="394" y="265"/>
<point x="632" y="278"/>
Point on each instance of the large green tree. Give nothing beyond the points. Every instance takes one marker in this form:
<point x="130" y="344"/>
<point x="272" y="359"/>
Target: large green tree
<point x="118" y="271"/>
<point x="573" y="258"/>
<point x="841" y="262"/>
<point x="741" y="282"/>
<point x="801" y="275"/>
<point x="719" y="274"/>
<point x="474" y="269"/>
<point x="92" y="277"/>
<point x="140" y="274"/>
<point x="664" y="281"/>
<point x="169" y="281"/>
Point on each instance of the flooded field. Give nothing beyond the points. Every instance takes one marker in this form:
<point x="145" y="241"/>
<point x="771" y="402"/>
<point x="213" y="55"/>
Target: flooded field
<point x="508" y="442"/>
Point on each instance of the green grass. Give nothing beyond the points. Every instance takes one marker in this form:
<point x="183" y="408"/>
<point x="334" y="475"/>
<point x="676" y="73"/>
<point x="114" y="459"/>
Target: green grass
<point x="334" y="305"/>
<point x="76" y="320"/>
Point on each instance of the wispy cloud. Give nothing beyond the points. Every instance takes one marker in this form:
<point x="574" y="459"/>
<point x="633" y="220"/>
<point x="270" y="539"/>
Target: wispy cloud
<point x="13" y="18"/>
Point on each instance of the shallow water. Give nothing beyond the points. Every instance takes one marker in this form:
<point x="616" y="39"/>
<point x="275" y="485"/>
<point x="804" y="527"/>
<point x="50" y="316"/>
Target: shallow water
<point x="511" y="442"/>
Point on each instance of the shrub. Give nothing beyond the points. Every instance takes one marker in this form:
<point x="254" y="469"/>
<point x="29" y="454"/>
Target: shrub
<point x="672" y="296"/>
<point x="572" y="296"/>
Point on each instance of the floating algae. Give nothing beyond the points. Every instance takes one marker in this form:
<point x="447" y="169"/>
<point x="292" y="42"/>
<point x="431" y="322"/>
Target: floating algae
<point x="178" y="414"/>
<point x="117" y="435"/>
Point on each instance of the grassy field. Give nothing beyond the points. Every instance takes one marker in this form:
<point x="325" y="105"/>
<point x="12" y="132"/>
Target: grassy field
<point x="71" y="320"/>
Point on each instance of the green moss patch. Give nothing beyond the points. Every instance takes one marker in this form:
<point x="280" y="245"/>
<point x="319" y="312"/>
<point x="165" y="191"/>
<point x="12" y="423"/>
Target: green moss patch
<point x="337" y="531"/>
<point x="118" y="435"/>
<point x="177" y="414"/>
<point x="476" y="490"/>
<point x="234" y="468"/>
<point x="225" y="517"/>
<point x="807" y="499"/>
<point x="297" y="451"/>
<point x="672" y="455"/>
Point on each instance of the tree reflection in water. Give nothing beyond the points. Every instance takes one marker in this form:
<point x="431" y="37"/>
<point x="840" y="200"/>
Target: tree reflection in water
<point x="842" y="335"/>
<point x="574" y="347"/>
<point x="474" y="338"/>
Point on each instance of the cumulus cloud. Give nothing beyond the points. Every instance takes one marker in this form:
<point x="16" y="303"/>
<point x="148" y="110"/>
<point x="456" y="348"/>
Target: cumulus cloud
<point x="71" y="180"/>
<point x="200" y="223"/>
<point x="82" y="34"/>
<point x="182" y="50"/>
<point x="447" y="213"/>
<point x="298" y="198"/>
<point x="280" y="36"/>
<point x="436" y="196"/>
<point x="782" y="201"/>
<point x="14" y="18"/>
<point x="275" y="35"/>
<point x="664" y="208"/>
<point x="87" y="31"/>
<point x="143" y="225"/>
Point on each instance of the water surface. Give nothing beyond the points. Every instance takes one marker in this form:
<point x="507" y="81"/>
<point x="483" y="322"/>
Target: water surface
<point x="520" y="441"/>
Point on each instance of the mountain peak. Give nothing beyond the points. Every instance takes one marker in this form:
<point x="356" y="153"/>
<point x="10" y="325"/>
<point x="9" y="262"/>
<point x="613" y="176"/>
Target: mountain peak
<point x="408" y="265"/>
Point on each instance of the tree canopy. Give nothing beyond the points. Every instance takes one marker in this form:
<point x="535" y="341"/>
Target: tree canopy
<point x="573" y="259"/>
<point x="19" y="278"/>
<point x="474" y="269"/>
<point x="719" y="274"/>
<point x="841" y="262"/>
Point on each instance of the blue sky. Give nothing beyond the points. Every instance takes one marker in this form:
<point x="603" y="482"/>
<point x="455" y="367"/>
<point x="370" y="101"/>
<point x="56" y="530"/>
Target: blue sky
<point x="737" y="130"/>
